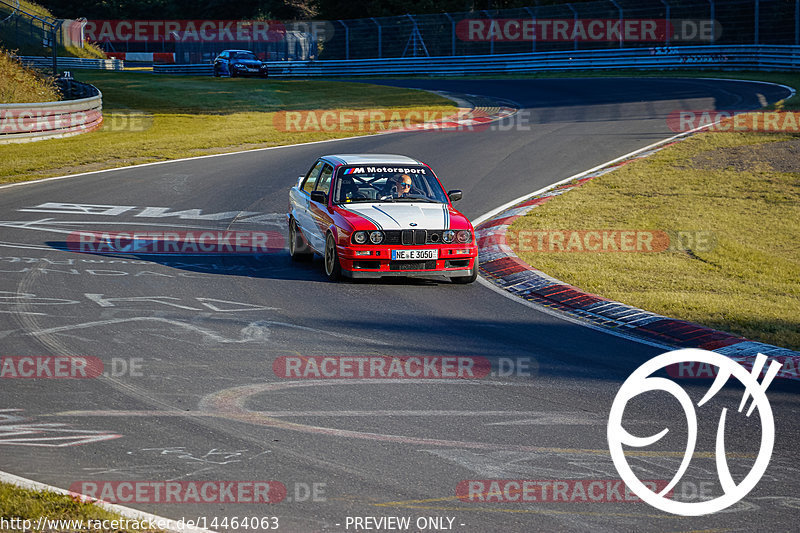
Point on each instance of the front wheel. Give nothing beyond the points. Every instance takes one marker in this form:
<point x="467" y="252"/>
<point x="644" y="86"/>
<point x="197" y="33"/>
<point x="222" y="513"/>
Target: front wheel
<point x="298" y="250"/>
<point x="333" y="269"/>
<point x="469" y="278"/>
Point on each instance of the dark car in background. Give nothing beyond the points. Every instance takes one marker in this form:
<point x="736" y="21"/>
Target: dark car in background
<point x="235" y="63"/>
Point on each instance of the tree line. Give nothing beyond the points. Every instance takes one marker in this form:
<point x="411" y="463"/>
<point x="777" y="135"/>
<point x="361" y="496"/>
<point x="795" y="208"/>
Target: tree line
<point x="269" y="9"/>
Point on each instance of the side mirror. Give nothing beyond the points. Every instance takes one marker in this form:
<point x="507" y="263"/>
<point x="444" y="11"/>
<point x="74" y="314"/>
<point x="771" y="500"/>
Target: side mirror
<point x="319" y="197"/>
<point x="455" y="195"/>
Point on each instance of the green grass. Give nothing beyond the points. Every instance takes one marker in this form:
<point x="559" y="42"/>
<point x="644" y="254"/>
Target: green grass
<point x="31" y="505"/>
<point x="747" y="283"/>
<point x="22" y="85"/>
<point x="189" y="116"/>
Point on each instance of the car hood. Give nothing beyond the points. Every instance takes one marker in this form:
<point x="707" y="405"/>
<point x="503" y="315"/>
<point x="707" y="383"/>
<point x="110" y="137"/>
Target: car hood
<point x="248" y="62"/>
<point x="401" y="215"/>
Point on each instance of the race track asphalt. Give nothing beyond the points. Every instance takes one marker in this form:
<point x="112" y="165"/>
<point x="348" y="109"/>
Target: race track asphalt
<point x="188" y="343"/>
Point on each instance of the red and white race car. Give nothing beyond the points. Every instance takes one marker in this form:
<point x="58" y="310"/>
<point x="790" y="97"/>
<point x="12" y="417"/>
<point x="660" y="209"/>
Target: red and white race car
<point x="371" y="216"/>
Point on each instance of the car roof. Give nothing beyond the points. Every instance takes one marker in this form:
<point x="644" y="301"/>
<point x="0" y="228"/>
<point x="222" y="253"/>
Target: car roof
<point x="237" y="51"/>
<point x="371" y="159"/>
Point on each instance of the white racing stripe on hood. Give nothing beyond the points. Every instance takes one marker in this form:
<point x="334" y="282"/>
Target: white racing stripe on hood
<point x="400" y="215"/>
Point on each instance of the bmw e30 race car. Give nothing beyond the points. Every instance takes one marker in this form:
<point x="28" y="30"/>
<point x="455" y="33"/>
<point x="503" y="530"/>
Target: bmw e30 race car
<point x="371" y="216"/>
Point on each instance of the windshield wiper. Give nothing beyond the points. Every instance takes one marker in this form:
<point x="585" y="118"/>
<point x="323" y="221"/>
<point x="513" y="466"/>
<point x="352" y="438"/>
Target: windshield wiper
<point x="418" y="198"/>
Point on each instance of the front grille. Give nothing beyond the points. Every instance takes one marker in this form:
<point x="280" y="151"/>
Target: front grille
<point x="412" y="265"/>
<point x="408" y="237"/>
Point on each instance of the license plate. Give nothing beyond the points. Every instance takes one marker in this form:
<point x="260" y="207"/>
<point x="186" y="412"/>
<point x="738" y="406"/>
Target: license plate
<point x="414" y="254"/>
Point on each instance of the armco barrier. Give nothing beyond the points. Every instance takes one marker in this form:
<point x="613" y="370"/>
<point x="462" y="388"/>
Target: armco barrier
<point x="744" y="57"/>
<point x="73" y="63"/>
<point x="50" y="120"/>
<point x="191" y="70"/>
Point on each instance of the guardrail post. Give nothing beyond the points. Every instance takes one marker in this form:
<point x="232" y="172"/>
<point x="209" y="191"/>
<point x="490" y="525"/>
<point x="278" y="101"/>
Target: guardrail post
<point x="380" y="37"/>
<point x="713" y="14"/>
<point x="346" y="39"/>
<point x="758" y="10"/>
<point x="54" y="45"/>
<point x="669" y="25"/>
<point x="453" y="32"/>
<point x="533" y="19"/>
<point x="620" y="21"/>
<point x="491" y="36"/>
<point x="574" y="25"/>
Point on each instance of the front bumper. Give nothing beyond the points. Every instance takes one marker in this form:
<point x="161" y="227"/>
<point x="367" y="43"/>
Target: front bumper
<point x="453" y="261"/>
<point x="367" y="274"/>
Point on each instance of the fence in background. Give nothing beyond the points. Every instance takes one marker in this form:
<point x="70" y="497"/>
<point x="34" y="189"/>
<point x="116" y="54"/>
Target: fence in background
<point x="30" y="33"/>
<point x="577" y="26"/>
<point x="568" y="26"/>
<point x="685" y="57"/>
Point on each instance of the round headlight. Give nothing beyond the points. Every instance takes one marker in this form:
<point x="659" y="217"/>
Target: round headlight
<point x="448" y="236"/>
<point x="463" y="236"/>
<point x="376" y="237"/>
<point x="360" y="237"/>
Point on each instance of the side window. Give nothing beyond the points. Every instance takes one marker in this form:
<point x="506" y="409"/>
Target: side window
<point x="311" y="177"/>
<point x="324" y="183"/>
<point x="224" y="55"/>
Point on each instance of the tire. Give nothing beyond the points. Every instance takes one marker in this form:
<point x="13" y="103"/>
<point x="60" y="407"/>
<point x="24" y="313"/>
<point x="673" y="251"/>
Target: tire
<point x="216" y="72"/>
<point x="463" y="280"/>
<point x="232" y="72"/>
<point x="298" y="249"/>
<point x="333" y="269"/>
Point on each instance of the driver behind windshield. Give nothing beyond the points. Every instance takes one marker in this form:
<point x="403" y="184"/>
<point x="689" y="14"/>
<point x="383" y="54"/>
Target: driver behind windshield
<point x="402" y="184"/>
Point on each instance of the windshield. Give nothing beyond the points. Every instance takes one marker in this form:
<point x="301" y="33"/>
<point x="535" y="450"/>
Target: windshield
<point x="367" y="183"/>
<point x="244" y="55"/>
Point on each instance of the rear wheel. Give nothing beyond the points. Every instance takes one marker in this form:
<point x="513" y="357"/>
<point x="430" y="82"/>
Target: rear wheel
<point x="332" y="267"/>
<point x="469" y="278"/>
<point x="298" y="249"/>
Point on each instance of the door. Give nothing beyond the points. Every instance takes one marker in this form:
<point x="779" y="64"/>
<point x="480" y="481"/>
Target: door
<point x="300" y="199"/>
<point x="319" y="211"/>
